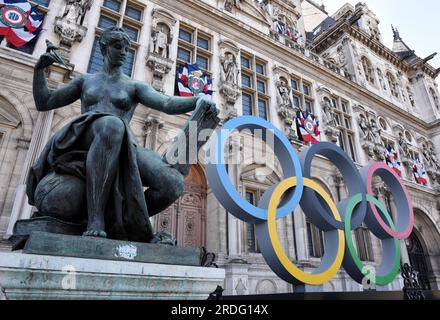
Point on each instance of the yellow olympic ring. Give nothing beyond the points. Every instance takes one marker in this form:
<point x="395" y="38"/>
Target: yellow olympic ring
<point x="312" y="279"/>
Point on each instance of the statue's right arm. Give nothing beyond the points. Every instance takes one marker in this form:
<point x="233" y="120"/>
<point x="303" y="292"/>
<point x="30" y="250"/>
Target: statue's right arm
<point x="46" y="99"/>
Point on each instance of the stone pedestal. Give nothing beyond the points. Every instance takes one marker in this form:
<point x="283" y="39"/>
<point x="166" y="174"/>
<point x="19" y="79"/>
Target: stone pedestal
<point x="27" y="276"/>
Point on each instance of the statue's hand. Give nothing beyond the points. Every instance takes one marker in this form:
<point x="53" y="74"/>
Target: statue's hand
<point x="210" y="106"/>
<point x="45" y="61"/>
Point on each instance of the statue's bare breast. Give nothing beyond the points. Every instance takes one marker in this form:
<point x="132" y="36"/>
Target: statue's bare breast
<point x="101" y="94"/>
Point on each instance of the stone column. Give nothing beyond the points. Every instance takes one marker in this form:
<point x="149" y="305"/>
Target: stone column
<point x="42" y="130"/>
<point x="21" y="209"/>
<point x="234" y="224"/>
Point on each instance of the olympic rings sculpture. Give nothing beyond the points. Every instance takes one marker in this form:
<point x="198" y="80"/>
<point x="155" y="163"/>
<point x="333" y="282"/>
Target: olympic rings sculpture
<point x="335" y="220"/>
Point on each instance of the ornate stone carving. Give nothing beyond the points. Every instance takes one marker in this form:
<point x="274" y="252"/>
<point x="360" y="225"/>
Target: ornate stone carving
<point x="404" y="150"/>
<point x="285" y="107"/>
<point x="371" y="137"/>
<point x="229" y="77"/>
<point x="152" y="128"/>
<point x="158" y="58"/>
<point x="70" y="26"/>
<point x="230" y="4"/>
<point x="329" y="115"/>
<point x="431" y="162"/>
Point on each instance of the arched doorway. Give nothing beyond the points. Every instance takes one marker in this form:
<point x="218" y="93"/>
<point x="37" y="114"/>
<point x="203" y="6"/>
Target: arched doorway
<point x="418" y="259"/>
<point x="186" y="218"/>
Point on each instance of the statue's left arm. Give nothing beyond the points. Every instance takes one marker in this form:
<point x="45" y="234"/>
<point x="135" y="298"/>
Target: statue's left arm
<point x="170" y="105"/>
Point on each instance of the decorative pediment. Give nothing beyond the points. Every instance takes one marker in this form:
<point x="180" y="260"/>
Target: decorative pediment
<point x="250" y="8"/>
<point x="8" y="115"/>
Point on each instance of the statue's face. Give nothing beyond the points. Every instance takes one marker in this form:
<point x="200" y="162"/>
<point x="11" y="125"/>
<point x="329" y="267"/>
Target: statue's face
<point x="117" y="53"/>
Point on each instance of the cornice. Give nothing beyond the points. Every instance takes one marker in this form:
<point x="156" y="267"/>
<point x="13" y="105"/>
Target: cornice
<point x="329" y="37"/>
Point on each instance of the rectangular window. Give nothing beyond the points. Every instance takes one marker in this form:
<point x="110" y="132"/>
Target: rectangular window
<point x="202" y="62"/>
<point x="245" y="63"/>
<point x="341" y="141"/>
<point x="335" y="103"/>
<point x="184" y="55"/>
<point x="351" y="145"/>
<point x="247" y="105"/>
<point x="262" y="109"/>
<point x="259" y="68"/>
<point x="113" y="5"/>
<point x="132" y="32"/>
<point x="294" y="84"/>
<point x="133" y="13"/>
<point x="306" y="90"/>
<point x="315" y="241"/>
<point x="203" y="43"/>
<point x="296" y="102"/>
<point x="127" y="68"/>
<point x="106" y="22"/>
<point x="44" y="3"/>
<point x="185" y="35"/>
<point x="261" y="86"/>
<point x="96" y="59"/>
<point x="308" y="106"/>
<point x="344" y="107"/>
<point x="246" y="80"/>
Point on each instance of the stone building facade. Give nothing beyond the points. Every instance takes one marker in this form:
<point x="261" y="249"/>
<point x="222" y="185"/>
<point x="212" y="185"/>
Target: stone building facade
<point x="367" y="96"/>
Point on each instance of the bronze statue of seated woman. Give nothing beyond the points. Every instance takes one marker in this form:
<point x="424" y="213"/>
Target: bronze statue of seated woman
<point x="92" y="170"/>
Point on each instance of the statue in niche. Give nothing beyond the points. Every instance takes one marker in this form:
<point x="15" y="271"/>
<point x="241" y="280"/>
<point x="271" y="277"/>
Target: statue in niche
<point x="284" y="93"/>
<point x="160" y="41"/>
<point x="434" y="159"/>
<point x="230" y="4"/>
<point x="76" y="10"/>
<point x="376" y="132"/>
<point x="92" y="171"/>
<point x="329" y="113"/>
<point x="230" y="68"/>
<point x="403" y="145"/>
<point x="426" y="155"/>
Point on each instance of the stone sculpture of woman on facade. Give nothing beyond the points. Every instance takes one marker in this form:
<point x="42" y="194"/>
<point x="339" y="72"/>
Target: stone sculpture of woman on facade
<point x="99" y="148"/>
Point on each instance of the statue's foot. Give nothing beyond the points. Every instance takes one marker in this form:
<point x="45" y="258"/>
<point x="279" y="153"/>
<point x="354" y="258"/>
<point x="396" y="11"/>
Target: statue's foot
<point x="95" y="233"/>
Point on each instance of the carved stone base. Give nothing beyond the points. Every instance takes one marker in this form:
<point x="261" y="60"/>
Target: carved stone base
<point x="369" y="148"/>
<point x="231" y="93"/>
<point x="160" y="67"/>
<point x="69" y="32"/>
<point x="332" y="133"/>
<point x="26" y="276"/>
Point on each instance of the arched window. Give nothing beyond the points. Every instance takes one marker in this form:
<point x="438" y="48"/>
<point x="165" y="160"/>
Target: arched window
<point x="417" y="257"/>
<point x="435" y="98"/>
<point x="363" y="242"/>
<point x="368" y="70"/>
<point x="393" y="85"/>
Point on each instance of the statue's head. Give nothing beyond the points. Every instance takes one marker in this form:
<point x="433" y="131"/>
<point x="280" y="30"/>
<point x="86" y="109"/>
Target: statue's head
<point x="114" y="44"/>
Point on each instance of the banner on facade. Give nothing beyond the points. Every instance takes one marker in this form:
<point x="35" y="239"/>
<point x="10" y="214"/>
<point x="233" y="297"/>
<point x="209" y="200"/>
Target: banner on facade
<point x="19" y="21"/>
<point x="193" y="82"/>
<point x="307" y="127"/>
<point x="392" y="159"/>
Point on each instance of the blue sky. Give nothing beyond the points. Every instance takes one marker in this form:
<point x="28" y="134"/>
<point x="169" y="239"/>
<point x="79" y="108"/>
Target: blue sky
<point x="417" y="21"/>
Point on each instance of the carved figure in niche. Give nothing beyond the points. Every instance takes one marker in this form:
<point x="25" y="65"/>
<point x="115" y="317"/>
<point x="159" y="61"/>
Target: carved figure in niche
<point x="284" y="93"/>
<point x="434" y="159"/>
<point x="160" y="41"/>
<point x="76" y="10"/>
<point x="403" y="145"/>
<point x="376" y="132"/>
<point x="426" y="155"/>
<point x="230" y="68"/>
<point x="329" y="113"/>
<point x="230" y="4"/>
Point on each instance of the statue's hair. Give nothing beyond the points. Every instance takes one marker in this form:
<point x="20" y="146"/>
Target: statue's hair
<point x="110" y="36"/>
